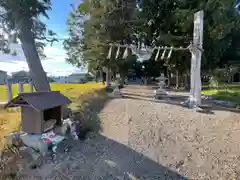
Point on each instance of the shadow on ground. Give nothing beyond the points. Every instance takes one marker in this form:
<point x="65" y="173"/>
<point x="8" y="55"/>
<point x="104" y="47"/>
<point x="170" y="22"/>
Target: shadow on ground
<point x="99" y="157"/>
<point x="228" y="96"/>
<point x="145" y="95"/>
<point x="88" y="107"/>
<point x="228" y="86"/>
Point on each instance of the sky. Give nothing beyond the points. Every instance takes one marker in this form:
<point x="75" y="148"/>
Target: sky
<point x="54" y="64"/>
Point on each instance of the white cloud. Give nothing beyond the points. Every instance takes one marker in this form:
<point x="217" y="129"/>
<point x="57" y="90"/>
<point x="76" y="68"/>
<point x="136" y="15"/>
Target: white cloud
<point x="7" y="57"/>
<point x="52" y="67"/>
<point x="55" y="52"/>
<point x="54" y="64"/>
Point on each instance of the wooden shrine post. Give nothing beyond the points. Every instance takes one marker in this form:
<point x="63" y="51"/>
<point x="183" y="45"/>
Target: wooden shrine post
<point x="20" y="87"/>
<point x="9" y="91"/>
<point x="31" y="87"/>
<point x="196" y="51"/>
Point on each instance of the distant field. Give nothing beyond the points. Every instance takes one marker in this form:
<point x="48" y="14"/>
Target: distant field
<point x="70" y="90"/>
<point x="9" y="119"/>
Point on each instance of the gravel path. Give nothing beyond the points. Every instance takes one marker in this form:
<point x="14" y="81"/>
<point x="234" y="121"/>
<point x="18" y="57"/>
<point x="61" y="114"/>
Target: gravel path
<point x="196" y="145"/>
<point x="146" y="139"/>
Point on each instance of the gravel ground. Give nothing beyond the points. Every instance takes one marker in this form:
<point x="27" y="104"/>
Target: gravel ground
<point x="196" y="145"/>
<point x="144" y="139"/>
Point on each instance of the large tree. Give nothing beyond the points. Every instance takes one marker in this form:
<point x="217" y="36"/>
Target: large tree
<point x="95" y="24"/>
<point x="171" y="23"/>
<point x="22" y="17"/>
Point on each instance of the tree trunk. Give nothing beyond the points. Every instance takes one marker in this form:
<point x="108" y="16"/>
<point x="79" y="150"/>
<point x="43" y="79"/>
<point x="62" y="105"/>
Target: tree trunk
<point x="34" y="64"/>
<point x="107" y="84"/>
<point x="186" y="80"/>
<point x="169" y="78"/>
<point x="96" y="76"/>
<point x="101" y="76"/>
<point x="230" y="77"/>
<point x="177" y="80"/>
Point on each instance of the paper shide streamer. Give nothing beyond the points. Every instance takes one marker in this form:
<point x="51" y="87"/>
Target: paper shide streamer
<point x="163" y="54"/>
<point x="170" y="53"/>
<point x="125" y="54"/>
<point x="118" y="52"/>
<point x="157" y="55"/>
<point x="109" y="53"/>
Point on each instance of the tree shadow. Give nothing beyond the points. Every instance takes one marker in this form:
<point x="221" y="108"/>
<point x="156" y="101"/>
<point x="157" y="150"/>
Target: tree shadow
<point x="228" y="96"/>
<point x="228" y="86"/>
<point x="110" y="159"/>
<point x="88" y="107"/>
<point x="149" y="95"/>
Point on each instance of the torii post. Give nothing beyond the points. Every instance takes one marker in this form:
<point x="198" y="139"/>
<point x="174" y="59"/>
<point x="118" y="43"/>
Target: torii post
<point x="196" y="58"/>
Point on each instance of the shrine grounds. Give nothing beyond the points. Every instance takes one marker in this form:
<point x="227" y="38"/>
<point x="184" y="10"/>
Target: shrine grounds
<point x="78" y="93"/>
<point x="138" y="137"/>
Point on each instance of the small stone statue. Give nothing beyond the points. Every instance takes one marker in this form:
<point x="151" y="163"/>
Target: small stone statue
<point x="116" y="92"/>
<point x="160" y="92"/>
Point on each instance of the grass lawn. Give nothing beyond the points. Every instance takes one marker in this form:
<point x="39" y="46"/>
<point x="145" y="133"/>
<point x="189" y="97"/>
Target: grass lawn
<point x="78" y="93"/>
<point x="229" y="92"/>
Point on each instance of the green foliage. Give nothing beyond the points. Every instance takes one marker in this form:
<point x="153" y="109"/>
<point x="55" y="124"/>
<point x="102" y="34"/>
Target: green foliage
<point x="171" y="23"/>
<point x="213" y="82"/>
<point x="17" y="15"/>
<point x="227" y="93"/>
<point x="159" y="22"/>
<point x="99" y="22"/>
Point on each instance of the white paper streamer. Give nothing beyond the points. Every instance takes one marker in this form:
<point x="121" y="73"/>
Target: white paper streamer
<point x="125" y="54"/>
<point x="109" y="53"/>
<point x="157" y="55"/>
<point x="163" y="54"/>
<point x="142" y="53"/>
<point x="118" y="52"/>
<point x="170" y="53"/>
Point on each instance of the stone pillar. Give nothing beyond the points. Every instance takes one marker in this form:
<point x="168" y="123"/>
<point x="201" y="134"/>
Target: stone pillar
<point x="198" y="41"/>
<point x="107" y="84"/>
<point x="195" y="93"/>
<point x="177" y="79"/>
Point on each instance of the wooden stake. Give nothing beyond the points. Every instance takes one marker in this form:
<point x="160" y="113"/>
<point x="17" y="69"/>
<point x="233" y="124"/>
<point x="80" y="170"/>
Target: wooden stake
<point x="20" y="88"/>
<point x="9" y="91"/>
<point x="31" y="86"/>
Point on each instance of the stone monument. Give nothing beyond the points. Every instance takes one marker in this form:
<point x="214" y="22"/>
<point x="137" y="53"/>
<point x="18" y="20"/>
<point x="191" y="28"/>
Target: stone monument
<point x="116" y="92"/>
<point x="160" y="92"/>
<point x="196" y="50"/>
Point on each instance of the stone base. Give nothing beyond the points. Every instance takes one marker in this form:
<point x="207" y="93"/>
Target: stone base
<point x="190" y="104"/>
<point x="160" y="93"/>
<point x="116" y="93"/>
